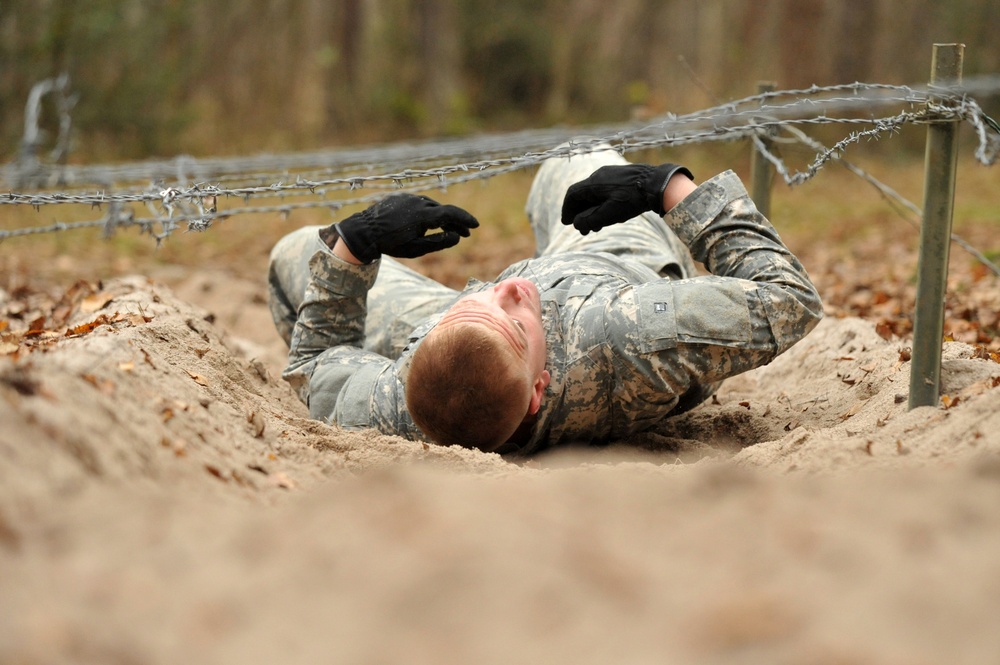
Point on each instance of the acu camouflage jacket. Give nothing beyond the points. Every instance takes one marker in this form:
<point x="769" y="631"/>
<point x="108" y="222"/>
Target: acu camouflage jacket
<point x="624" y="344"/>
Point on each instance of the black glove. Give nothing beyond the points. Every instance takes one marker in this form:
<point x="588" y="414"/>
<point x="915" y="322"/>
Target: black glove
<point x="398" y="226"/>
<point x="614" y="194"/>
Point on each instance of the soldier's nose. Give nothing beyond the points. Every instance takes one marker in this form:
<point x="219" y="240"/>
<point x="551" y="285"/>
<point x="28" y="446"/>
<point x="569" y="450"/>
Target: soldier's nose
<point x="504" y="293"/>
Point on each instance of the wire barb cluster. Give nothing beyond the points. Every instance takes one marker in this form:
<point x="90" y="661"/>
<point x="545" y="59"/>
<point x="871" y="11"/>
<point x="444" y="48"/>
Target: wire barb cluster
<point x="334" y="179"/>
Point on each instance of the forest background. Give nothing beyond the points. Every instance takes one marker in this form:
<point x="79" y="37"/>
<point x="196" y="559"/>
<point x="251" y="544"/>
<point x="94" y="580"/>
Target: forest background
<point x="165" y="499"/>
<point x="167" y="77"/>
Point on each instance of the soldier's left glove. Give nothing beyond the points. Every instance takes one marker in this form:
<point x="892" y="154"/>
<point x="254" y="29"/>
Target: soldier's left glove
<point x="615" y="194"/>
<point x="399" y="224"/>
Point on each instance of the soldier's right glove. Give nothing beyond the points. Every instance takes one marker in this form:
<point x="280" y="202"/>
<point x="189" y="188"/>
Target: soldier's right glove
<point x="615" y="194"/>
<point x="398" y="226"/>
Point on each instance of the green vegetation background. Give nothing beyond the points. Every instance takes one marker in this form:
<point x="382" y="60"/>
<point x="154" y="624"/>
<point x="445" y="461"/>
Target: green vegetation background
<point x="199" y="77"/>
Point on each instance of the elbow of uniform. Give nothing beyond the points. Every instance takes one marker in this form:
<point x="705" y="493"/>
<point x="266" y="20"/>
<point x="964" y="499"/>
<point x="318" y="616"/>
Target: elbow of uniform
<point x="324" y="393"/>
<point x="793" y="316"/>
<point x="809" y="312"/>
<point x="813" y="304"/>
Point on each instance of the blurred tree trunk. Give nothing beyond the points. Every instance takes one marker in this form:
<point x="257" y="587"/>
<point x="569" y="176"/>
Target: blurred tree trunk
<point x="158" y="76"/>
<point x="61" y="34"/>
<point x="674" y="77"/>
<point x="712" y="43"/>
<point x="439" y="54"/>
<point x="350" y="38"/>
<point x="801" y="33"/>
<point x="620" y="56"/>
<point x="909" y="32"/>
<point x="756" y="33"/>
<point x="344" y="52"/>
<point x="857" y="39"/>
<point x="567" y="20"/>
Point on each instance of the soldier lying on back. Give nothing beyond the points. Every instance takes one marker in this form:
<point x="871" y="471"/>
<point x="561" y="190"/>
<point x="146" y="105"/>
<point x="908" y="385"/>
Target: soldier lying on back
<point x="606" y="332"/>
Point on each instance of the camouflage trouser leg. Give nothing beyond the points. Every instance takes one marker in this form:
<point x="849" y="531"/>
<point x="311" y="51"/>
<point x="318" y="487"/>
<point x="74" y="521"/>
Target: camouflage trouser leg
<point x="646" y="239"/>
<point x="400" y="300"/>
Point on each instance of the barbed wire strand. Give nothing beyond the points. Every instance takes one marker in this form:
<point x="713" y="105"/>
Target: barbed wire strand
<point x="894" y="198"/>
<point x="818" y="102"/>
<point x="879" y="126"/>
<point x="196" y="205"/>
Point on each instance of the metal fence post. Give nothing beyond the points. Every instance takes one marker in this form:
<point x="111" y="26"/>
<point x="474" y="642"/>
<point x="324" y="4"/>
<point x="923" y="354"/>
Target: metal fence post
<point x="935" y="237"/>
<point x="761" y="171"/>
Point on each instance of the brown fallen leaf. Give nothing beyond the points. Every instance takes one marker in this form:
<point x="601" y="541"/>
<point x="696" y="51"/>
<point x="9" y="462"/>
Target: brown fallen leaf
<point x="138" y="319"/>
<point x="884" y="329"/>
<point x="36" y="327"/>
<point x="95" y="302"/>
<point x="90" y="326"/>
<point x="217" y="472"/>
<point x="853" y="411"/>
<point x="198" y="378"/>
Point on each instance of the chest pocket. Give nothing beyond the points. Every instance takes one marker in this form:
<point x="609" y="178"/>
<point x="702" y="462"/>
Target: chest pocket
<point x="705" y="310"/>
<point x="573" y="301"/>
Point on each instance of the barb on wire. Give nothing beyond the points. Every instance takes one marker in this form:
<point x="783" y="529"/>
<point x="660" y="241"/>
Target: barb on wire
<point x="896" y="199"/>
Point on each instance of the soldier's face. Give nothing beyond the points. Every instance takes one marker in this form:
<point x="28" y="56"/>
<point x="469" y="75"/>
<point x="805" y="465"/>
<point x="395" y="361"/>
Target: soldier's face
<point x="513" y="308"/>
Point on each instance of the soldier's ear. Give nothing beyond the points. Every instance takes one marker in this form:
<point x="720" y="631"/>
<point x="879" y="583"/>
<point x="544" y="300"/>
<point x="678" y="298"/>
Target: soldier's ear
<point x="537" y="390"/>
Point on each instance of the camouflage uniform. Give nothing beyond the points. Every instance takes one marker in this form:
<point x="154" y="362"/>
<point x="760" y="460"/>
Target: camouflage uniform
<point x="633" y="335"/>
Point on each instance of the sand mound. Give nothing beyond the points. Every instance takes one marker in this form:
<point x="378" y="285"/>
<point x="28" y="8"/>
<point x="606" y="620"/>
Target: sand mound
<point x="165" y="499"/>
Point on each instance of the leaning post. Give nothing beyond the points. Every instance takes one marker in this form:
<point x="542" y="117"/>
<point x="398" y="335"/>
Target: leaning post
<point x="935" y="237"/>
<point x="761" y="171"/>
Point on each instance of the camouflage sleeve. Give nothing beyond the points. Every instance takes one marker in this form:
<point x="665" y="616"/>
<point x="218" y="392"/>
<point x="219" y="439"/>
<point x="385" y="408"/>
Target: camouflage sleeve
<point x="327" y="366"/>
<point x="757" y="302"/>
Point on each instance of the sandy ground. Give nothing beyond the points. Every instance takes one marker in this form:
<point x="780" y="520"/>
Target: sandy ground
<point x="165" y="499"/>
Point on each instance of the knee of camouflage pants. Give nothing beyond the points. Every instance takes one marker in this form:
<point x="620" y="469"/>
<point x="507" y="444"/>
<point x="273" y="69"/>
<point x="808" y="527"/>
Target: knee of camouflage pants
<point x="288" y="276"/>
<point x="646" y="239"/>
<point x="554" y="177"/>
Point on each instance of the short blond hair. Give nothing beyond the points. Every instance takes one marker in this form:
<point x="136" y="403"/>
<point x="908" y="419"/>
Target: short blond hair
<point x="466" y="387"/>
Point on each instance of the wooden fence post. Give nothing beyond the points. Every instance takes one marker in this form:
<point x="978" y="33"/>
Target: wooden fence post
<point x="761" y="171"/>
<point x="935" y="237"/>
